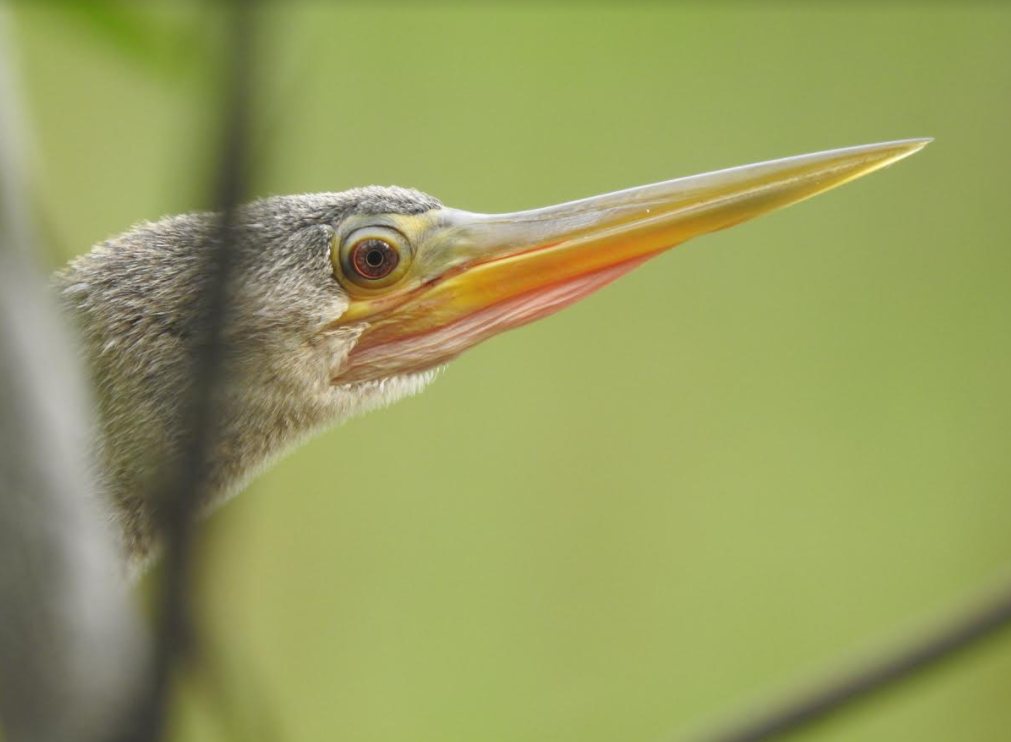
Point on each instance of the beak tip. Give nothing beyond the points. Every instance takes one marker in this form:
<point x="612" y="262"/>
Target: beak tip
<point x="905" y="147"/>
<point x="865" y="159"/>
<point x="918" y="143"/>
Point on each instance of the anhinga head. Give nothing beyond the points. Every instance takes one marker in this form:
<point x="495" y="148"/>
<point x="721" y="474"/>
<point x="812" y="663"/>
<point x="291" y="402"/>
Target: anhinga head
<point x="346" y="301"/>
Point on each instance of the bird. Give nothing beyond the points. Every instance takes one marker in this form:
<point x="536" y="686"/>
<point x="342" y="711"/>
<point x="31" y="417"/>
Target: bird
<point x="348" y="301"/>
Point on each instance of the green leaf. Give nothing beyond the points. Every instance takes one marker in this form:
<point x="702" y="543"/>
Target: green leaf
<point x="161" y="38"/>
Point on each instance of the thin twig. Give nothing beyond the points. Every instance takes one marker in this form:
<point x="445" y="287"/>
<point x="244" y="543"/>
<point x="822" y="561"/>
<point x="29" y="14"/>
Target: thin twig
<point x="971" y="628"/>
<point x="178" y="503"/>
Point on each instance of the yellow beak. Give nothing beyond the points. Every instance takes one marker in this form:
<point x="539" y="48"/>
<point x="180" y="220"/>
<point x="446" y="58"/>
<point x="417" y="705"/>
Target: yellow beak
<point x="476" y="275"/>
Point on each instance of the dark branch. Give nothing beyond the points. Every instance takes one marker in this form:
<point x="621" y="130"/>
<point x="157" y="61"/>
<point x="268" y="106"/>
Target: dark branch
<point x="967" y="631"/>
<point x="187" y="475"/>
<point x="71" y="646"/>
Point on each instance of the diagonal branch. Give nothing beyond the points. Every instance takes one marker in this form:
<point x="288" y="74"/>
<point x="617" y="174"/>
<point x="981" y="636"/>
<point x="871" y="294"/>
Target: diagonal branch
<point x="972" y="627"/>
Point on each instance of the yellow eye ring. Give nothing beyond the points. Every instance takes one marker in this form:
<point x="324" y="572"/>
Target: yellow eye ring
<point x="372" y="257"/>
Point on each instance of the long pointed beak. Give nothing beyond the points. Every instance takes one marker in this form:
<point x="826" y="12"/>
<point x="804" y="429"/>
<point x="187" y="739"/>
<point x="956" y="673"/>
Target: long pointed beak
<point x="476" y="275"/>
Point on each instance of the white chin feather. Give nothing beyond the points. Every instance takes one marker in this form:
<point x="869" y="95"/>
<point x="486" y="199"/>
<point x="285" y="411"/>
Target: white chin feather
<point x="363" y="396"/>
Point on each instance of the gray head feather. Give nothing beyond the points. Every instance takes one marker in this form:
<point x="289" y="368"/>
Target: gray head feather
<point x="133" y="298"/>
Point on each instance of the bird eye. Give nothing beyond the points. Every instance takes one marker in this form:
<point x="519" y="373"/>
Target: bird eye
<point x="373" y="257"/>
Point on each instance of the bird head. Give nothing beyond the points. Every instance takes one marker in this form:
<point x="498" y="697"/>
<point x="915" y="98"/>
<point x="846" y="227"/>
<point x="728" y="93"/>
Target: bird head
<point x="342" y="302"/>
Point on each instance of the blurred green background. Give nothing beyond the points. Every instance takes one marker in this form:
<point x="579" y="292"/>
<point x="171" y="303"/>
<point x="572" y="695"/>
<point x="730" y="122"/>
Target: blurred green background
<point x="770" y="450"/>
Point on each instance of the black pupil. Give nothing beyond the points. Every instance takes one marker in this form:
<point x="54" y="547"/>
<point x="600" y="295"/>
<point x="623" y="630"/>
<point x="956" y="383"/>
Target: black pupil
<point x="374" y="258"/>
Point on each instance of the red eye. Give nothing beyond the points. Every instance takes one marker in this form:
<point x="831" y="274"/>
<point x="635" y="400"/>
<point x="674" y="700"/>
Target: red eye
<point x="373" y="258"/>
